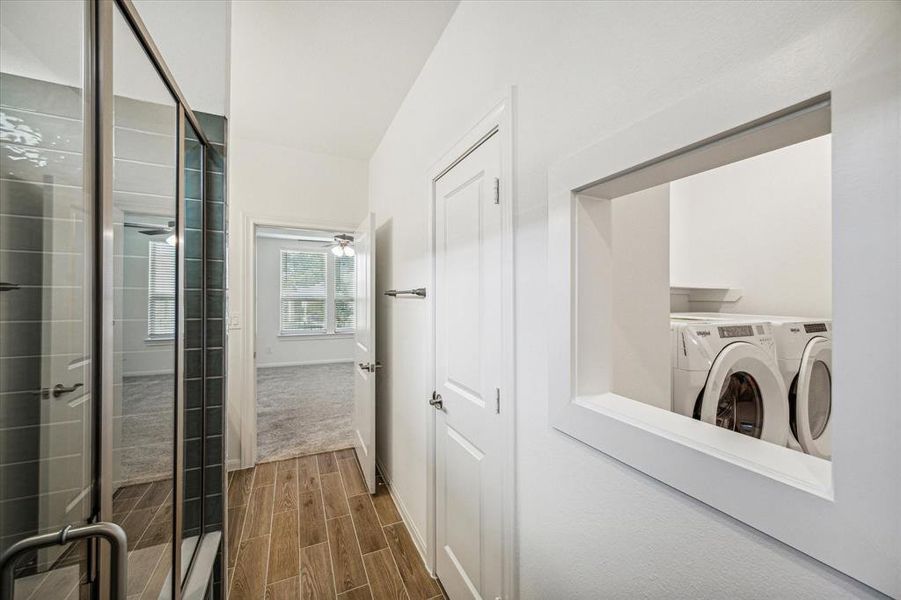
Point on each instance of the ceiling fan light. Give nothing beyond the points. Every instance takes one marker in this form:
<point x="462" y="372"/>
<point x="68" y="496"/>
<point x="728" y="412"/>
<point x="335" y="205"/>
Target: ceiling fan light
<point x="171" y="240"/>
<point x="348" y="251"/>
<point x="337" y="250"/>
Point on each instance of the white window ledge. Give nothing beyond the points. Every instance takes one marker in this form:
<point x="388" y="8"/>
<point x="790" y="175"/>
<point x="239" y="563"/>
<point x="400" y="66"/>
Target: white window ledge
<point x="315" y="336"/>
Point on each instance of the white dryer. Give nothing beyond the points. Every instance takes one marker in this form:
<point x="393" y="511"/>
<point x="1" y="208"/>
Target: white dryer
<point x="726" y="374"/>
<point x="804" y="352"/>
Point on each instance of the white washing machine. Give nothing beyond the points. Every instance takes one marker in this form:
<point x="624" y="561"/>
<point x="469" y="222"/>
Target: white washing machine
<point x="726" y="374"/>
<point x="804" y="353"/>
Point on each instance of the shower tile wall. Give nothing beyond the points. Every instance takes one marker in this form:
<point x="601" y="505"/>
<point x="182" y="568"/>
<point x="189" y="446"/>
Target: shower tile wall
<point x="205" y="334"/>
<point x="204" y="344"/>
<point x="33" y="207"/>
<point x="44" y="466"/>
<point x="216" y="241"/>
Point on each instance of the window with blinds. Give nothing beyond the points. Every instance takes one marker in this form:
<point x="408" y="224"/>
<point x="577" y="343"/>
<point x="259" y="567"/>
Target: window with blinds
<point x="161" y="291"/>
<point x="304" y="292"/>
<point x="345" y="293"/>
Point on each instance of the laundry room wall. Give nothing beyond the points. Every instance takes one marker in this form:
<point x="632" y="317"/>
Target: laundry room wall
<point x="761" y="225"/>
<point x="588" y="526"/>
<point x="640" y="340"/>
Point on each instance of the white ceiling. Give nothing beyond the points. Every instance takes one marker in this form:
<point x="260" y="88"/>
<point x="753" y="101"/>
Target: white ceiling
<point x="192" y="36"/>
<point x="327" y="76"/>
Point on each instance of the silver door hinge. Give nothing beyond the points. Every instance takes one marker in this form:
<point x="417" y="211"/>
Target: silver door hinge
<point x="497" y="190"/>
<point x="497" y="397"/>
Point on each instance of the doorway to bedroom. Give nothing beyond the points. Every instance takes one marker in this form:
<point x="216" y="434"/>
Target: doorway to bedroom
<point x="304" y="343"/>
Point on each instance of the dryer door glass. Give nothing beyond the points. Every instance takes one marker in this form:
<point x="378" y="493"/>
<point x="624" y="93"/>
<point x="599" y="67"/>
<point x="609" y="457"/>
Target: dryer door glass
<point x="819" y="404"/>
<point x="740" y="406"/>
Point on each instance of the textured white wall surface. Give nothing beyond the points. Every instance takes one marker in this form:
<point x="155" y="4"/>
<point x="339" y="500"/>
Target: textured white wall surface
<point x="589" y="527"/>
<point x="763" y="225"/>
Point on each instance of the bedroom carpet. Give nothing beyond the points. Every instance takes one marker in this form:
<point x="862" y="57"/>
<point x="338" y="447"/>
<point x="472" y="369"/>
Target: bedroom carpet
<point x="303" y="410"/>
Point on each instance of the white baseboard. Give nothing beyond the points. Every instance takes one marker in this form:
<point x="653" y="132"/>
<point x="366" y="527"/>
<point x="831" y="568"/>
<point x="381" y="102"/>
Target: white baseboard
<point x="418" y="540"/>
<point x="303" y="363"/>
<point x="233" y="464"/>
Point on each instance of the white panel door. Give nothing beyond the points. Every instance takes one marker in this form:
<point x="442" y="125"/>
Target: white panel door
<point x="364" y="350"/>
<point x="468" y="371"/>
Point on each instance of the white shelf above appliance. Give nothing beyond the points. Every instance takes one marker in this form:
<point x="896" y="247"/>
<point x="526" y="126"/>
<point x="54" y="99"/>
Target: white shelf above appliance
<point x="707" y="293"/>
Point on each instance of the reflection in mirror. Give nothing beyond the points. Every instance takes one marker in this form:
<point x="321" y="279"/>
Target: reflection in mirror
<point x="46" y="215"/>
<point x="720" y="263"/>
<point x="144" y="259"/>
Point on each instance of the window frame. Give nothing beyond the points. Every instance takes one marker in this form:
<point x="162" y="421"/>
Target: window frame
<point x="282" y="332"/>
<point x="330" y="330"/>
<point x="335" y="297"/>
<point x="842" y="513"/>
<point x="151" y="336"/>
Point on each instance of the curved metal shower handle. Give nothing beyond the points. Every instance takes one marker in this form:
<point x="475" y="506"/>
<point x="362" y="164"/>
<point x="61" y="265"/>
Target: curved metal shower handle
<point x="111" y="532"/>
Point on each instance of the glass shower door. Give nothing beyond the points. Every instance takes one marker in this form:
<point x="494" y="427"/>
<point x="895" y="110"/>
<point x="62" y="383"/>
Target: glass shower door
<point x="96" y="426"/>
<point x="145" y="254"/>
<point x="46" y="254"/>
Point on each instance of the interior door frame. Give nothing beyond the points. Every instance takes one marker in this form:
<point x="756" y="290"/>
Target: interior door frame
<point x="247" y="408"/>
<point x="498" y="121"/>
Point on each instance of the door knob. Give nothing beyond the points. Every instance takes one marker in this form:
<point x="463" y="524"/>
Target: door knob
<point x="437" y="401"/>
<point x="371" y="367"/>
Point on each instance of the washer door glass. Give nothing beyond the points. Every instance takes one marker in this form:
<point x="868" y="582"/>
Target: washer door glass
<point x="740" y="405"/>
<point x="812" y="399"/>
<point x="746" y="393"/>
<point x="819" y="403"/>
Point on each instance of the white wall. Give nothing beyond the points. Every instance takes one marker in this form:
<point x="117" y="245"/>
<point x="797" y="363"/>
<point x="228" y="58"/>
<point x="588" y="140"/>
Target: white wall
<point x="283" y="185"/>
<point x="763" y="225"/>
<point x="589" y="526"/>
<point x="193" y="37"/>
<point x="642" y="366"/>
<point x="274" y="350"/>
<point x="42" y="39"/>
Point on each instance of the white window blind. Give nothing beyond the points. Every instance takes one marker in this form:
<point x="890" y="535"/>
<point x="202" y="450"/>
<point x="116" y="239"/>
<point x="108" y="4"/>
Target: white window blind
<point x="345" y="293"/>
<point x="161" y="291"/>
<point x="304" y="292"/>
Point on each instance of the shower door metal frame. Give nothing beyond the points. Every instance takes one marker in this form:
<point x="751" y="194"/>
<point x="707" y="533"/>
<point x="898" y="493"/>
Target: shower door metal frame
<point x="99" y="120"/>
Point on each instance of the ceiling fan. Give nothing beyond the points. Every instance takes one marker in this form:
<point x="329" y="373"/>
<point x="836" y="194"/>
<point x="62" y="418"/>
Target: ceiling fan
<point x="153" y="229"/>
<point x="343" y="245"/>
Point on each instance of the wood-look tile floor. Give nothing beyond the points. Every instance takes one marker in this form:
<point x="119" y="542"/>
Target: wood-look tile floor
<point x="144" y="511"/>
<point x="307" y="528"/>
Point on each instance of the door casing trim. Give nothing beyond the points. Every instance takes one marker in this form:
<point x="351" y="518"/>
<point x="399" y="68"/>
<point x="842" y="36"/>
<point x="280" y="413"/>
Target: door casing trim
<point x="247" y="402"/>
